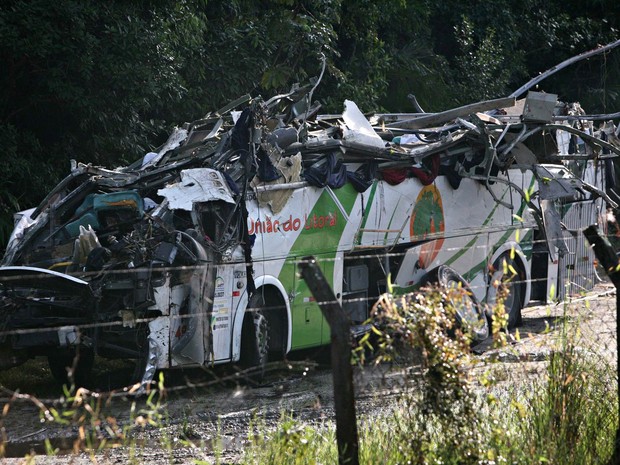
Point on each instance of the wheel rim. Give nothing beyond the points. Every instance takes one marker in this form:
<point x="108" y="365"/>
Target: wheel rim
<point x="512" y="300"/>
<point x="465" y="307"/>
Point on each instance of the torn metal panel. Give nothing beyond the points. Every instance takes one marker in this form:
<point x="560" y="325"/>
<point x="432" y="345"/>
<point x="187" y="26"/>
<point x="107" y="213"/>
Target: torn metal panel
<point x="539" y="107"/>
<point x="556" y="182"/>
<point x="23" y="221"/>
<point x="449" y="115"/>
<point x="197" y="185"/>
<point x="358" y="129"/>
<point x="175" y="140"/>
<point x="553" y="229"/>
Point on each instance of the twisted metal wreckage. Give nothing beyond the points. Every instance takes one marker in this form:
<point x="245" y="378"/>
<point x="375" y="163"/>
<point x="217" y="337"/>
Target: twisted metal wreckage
<point x="128" y="263"/>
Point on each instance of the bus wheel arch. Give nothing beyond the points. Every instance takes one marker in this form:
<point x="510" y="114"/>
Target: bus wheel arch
<point x="276" y="314"/>
<point x="274" y="305"/>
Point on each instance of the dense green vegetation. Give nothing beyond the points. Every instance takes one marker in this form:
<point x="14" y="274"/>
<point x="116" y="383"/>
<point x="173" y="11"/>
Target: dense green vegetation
<point x="103" y="82"/>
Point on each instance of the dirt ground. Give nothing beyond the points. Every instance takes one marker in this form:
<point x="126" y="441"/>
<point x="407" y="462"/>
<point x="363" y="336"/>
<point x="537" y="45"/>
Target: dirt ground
<point x="201" y="406"/>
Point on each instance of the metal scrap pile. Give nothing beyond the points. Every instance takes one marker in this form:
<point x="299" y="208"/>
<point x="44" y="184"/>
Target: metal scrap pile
<point x="275" y="145"/>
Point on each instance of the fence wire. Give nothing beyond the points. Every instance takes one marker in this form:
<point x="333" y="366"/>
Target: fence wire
<point x="573" y="340"/>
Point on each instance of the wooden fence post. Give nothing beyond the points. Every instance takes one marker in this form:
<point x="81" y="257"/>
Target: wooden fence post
<point x="342" y="372"/>
<point x="607" y="257"/>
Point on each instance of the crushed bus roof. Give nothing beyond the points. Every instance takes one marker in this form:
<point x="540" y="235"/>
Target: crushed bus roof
<point x="283" y="143"/>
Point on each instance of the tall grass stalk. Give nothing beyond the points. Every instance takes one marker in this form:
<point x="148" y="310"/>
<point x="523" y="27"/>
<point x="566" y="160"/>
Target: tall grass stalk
<point x="448" y="412"/>
<point x="572" y="412"/>
<point x="567" y="416"/>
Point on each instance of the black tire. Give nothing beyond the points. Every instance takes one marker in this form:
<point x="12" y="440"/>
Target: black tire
<point x="469" y="314"/>
<point x="511" y="276"/>
<point x="142" y="360"/>
<point x="78" y="362"/>
<point x="255" y="339"/>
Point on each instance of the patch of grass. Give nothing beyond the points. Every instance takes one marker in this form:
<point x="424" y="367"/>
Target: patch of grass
<point x="572" y="412"/>
<point x="451" y="411"/>
<point x="292" y="443"/>
<point x="566" y="416"/>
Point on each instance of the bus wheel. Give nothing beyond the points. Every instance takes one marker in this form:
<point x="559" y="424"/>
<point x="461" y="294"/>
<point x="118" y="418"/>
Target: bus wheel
<point x="142" y="360"/>
<point x="510" y="275"/>
<point x="468" y="311"/>
<point x="255" y="338"/>
<point x="63" y="360"/>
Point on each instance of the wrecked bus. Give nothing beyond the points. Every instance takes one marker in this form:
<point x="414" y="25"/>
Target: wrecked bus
<point x="189" y="256"/>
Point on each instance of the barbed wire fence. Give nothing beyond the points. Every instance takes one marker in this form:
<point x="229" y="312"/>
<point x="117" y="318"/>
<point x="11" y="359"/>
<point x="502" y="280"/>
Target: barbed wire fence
<point x="528" y="351"/>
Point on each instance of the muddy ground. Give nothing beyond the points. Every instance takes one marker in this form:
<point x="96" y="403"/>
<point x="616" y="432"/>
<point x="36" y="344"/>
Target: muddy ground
<point x="201" y="406"/>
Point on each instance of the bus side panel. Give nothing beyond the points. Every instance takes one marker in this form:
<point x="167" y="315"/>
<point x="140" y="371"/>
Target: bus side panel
<point x="323" y="240"/>
<point x="313" y="222"/>
<point x="467" y="227"/>
<point x="576" y="270"/>
<point x="385" y="214"/>
<point x="220" y="324"/>
<point x="308" y="321"/>
<point x="455" y="224"/>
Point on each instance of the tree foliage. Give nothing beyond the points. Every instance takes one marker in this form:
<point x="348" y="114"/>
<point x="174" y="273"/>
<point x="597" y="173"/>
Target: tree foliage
<point x="86" y="80"/>
<point x="104" y="82"/>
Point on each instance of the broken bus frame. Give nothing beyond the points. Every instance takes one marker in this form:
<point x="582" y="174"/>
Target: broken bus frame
<point x="188" y="256"/>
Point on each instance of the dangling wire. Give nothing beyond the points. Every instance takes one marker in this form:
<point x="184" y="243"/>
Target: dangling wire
<point x="324" y="64"/>
<point x="309" y="97"/>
